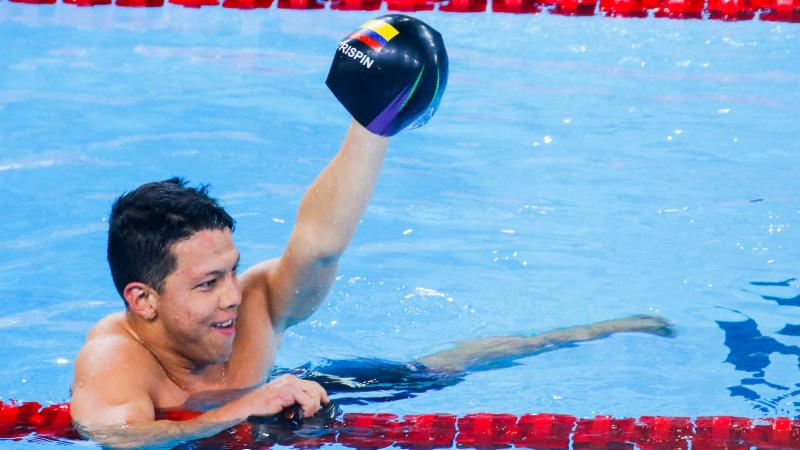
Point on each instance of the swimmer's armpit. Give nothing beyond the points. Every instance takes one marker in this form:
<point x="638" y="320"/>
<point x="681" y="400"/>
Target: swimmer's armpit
<point x="472" y="355"/>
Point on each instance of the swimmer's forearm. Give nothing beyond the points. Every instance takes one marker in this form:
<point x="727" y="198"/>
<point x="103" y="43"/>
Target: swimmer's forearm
<point x="164" y="433"/>
<point x="335" y="203"/>
<point x="156" y="434"/>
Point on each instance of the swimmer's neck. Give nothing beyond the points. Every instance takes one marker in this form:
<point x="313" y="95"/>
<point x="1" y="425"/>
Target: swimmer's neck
<point x="187" y="374"/>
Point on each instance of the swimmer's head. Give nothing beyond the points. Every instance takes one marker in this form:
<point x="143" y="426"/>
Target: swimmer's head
<point x="146" y="222"/>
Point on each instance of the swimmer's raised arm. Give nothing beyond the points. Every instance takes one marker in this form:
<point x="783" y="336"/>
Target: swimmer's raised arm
<point x="390" y="75"/>
<point x="112" y="402"/>
<point x="329" y="213"/>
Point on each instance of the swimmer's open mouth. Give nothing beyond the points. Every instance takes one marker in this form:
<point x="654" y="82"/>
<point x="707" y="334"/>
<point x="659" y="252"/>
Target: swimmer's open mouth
<point x="226" y="324"/>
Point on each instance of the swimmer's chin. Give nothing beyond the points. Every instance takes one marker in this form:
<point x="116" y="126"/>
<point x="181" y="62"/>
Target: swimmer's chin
<point x="215" y="359"/>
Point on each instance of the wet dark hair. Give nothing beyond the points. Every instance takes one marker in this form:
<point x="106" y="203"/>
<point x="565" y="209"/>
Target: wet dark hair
<point x="147" y="221"/>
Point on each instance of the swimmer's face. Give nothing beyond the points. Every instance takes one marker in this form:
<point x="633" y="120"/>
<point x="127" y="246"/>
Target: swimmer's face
<point x="199" y="302"/>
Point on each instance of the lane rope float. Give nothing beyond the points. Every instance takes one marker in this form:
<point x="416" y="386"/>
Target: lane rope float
<point x="378" y="430"/>
<point x="729" y="10"/>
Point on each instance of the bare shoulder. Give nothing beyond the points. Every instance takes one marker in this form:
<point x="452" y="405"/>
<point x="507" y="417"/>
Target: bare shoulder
<point x="111" y="338"/>
<point x="110" y="349"/>
<point x="112" y="369"/>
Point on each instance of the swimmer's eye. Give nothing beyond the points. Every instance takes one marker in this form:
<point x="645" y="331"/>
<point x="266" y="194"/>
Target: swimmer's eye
<point x="206" y="285"/>
<point x="235" y="269"/>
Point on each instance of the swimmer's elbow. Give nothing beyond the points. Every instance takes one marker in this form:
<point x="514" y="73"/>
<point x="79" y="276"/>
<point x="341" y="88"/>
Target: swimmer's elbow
<point x="317" y="246"/>
<point x="330" y="257"/>
<point x="297" y="317"/>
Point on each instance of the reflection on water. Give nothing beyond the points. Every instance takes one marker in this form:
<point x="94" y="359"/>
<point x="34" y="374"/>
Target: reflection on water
<point x="361" y="381"/>
<point x="750" y="352"/>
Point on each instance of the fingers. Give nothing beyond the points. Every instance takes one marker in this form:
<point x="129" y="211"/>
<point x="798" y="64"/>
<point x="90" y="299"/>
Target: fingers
<point x="309" y="404"/>
<point x="277" y="403"/>
<point x="314" y="389"/>
<point x="312" y="397"/>
<point x="308" y="394"/>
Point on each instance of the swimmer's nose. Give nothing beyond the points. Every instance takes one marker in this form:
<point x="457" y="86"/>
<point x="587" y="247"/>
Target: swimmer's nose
<point x="231" y="295"/>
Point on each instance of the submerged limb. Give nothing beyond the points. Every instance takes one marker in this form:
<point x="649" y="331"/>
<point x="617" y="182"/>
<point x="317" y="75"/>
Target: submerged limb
<point x="471" y="354"/>
<point x="362" y="381"/>
<point x="370" y="380"/>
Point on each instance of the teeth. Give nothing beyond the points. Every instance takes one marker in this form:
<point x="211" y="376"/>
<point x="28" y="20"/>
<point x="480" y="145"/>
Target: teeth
<point x="223" y="324"/>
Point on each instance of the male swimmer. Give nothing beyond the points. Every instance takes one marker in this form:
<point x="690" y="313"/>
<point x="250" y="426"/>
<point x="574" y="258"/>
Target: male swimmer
<point x="193" y="326"/>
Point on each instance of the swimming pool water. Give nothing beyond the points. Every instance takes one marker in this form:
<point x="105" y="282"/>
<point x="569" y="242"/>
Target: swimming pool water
<point x="579" y="169"/>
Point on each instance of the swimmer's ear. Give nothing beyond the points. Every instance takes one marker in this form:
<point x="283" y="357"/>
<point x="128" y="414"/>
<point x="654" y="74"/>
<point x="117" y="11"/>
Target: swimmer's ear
<point x="141" y="300"/>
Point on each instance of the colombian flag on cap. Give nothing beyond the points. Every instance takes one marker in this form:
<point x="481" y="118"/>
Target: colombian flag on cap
<point x="375" y="33"/>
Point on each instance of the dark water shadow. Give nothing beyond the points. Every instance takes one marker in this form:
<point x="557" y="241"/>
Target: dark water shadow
<point x="750" y="351"/>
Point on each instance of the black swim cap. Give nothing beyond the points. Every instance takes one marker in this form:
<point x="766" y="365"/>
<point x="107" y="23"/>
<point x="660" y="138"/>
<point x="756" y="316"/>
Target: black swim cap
<point x="390" y="73"/>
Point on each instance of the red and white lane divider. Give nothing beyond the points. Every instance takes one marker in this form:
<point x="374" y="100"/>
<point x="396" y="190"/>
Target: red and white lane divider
<point x="730" y="10"/>
<point x="551" y="431"/>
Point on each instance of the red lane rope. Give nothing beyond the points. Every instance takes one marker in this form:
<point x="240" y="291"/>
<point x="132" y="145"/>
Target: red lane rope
<point x="552" y="431"/>
<point x="771" y="10"/>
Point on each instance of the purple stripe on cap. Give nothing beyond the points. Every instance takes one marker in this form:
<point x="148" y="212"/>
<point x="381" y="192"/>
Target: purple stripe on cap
<point x="380" y="124"/>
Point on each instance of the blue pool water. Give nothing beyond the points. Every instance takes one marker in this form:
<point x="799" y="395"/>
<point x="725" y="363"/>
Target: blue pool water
<point x="579" y="169"/>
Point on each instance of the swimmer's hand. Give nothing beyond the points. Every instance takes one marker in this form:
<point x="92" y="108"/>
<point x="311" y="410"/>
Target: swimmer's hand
<point x="285" y="395"/>
<point x="293" y="416"/>
<point x="395" y="84"/>
<point x="642" y="323"/>
<point x="286" y="427"/>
